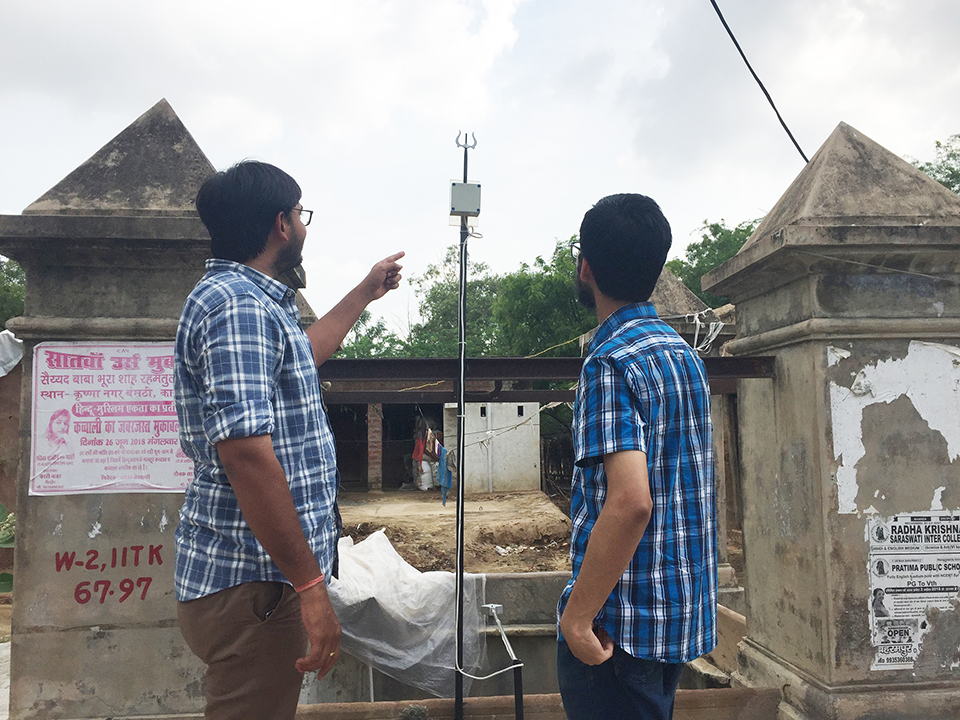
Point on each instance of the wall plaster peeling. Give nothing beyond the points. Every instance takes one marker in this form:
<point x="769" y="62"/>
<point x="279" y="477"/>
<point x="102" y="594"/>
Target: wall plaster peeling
<point x="940" y="652"/>
<point x="835" y="355"/>
<point x="929" y="376"/>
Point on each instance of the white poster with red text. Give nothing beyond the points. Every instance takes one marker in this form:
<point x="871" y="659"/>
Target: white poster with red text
<point x="104" y="420"/>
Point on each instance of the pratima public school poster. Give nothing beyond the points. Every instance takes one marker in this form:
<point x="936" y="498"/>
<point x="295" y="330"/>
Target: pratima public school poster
<point x="914" y="568"/>
<point x="104" y="420"/>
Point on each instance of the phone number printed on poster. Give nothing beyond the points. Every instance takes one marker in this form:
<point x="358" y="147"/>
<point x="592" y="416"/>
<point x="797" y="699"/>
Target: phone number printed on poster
<point x="104" y="420"/>
<point x="914" y="565"/>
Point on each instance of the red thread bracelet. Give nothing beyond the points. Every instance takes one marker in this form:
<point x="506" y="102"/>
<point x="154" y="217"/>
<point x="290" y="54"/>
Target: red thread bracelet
<point x="308" y="585"/>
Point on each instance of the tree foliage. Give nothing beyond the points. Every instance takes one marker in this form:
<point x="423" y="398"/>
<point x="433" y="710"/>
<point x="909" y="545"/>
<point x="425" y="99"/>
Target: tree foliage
<point x="369" y="339"/>
<point x="12" y="284"/>
<point x="536" y="310"/>
<point x="945" y="169"/>
<point x="438" y="289"/>
<point x="718" y="243"/>
<point x="537" y="313"/>
<point x="521" y="313"/>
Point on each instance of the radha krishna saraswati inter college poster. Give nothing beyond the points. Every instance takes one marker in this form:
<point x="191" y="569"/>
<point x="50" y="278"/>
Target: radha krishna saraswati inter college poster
<point x="104" y="420"/>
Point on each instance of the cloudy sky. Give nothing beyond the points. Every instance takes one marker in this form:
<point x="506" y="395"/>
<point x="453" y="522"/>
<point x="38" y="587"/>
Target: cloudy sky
<point x="361" y="101"/>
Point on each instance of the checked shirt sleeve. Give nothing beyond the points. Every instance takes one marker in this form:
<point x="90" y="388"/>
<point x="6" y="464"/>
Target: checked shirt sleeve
<point x="613" y="419"/>
<point x="240" y="346"/>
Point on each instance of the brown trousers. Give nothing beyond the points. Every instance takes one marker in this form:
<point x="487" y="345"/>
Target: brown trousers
<point x="250" y="637"/>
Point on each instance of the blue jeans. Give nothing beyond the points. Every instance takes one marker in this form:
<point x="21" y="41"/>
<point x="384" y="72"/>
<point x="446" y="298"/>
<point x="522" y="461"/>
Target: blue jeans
<point x="622" y="688"/>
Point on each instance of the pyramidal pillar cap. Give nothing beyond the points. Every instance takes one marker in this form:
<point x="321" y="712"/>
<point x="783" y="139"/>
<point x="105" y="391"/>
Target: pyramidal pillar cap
<point x="153" y="167"/>
<point x="854" y="197"/>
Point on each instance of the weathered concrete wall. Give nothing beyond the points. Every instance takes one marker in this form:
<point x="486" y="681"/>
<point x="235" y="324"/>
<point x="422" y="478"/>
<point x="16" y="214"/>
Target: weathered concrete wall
<point x="853" y="283"/>
<point x="895" y="452"/>
<point x="9" y="445"/>
<point x="783" y="537"/>
<point x="94" y="623"/>
<point x="502" y="445"/>
<point x="128" y="656"/>
<point x="9" y="431"/>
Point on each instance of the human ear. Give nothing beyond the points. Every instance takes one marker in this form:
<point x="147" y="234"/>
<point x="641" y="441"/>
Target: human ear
<point x="282" y="223"/>
<point x="584" y="271"/>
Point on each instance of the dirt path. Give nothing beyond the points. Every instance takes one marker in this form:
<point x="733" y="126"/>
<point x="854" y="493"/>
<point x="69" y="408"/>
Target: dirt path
<point x="503" y="532"/>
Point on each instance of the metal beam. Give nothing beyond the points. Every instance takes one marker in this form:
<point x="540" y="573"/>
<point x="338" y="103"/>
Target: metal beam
<point x="387" y="397"/>
<point x="361" y="381"/>
<point x="433" y="369"/>
<point x="718" y="386"/>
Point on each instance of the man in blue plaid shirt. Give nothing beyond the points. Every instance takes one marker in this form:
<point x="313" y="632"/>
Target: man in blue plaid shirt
<point x="642" y="600"/>
<point x="258" y="527"/>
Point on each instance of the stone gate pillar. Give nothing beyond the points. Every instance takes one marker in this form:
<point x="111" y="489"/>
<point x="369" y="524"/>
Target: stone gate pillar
<point x="850" y="457"/>
<point x="110" y="254"/>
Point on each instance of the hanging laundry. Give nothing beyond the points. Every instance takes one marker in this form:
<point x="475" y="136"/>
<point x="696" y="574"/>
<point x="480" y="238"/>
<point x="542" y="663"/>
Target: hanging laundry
<point x="446" y="477"/>
<point x="430" y="445"/>
<point x="418" y="449"/>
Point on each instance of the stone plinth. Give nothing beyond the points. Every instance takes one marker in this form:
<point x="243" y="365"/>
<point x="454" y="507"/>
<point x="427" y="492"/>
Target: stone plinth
<point x="853" y="282"/>
<point x="110" y="254"/>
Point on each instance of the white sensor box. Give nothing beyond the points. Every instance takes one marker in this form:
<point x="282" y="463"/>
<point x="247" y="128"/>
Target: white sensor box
<point x="464" y="199"/>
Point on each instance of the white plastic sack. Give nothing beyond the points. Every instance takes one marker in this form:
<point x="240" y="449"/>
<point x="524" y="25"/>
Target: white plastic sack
<point x="11" y="352"/>
<point x="402" y="621"/>
<point x="426" y="475"/>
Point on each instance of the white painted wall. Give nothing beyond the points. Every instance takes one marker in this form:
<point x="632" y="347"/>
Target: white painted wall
<point x="502" y="445"/>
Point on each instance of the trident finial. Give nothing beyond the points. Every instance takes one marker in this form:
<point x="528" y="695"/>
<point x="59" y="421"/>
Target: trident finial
<point x="466" y="145"/>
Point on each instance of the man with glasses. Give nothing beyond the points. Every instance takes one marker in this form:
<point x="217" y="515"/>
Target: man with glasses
<point x="642" y="600"/>
<point x="258" y="527"/>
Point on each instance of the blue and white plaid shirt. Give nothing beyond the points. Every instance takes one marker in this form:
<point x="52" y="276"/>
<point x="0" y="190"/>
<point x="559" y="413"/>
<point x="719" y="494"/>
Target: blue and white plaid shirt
<point x="244" y="367"/>
<point x="643" y="388"/>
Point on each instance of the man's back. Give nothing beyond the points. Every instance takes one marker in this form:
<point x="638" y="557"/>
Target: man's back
<point x="244" y="368"/>
<point x="642" y="600"/>
<point x="643" y="388"/>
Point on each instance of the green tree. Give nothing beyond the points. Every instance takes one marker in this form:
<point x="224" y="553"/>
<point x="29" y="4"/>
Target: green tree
<point x="718" y="243"/>
<point x="369" y="339"/>
<point x="536" y="310"/>
<point x="438" y="290"/>
<point x="946" y="168"/>
<point x="12" y="284"/>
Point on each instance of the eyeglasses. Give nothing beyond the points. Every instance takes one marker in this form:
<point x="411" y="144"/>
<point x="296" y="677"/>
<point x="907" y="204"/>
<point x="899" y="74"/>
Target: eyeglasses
<point x="575" y="250"/>
<point x="305" y="215"/>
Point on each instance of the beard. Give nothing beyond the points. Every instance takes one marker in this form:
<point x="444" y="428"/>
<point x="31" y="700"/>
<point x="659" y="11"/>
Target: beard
<point x="289" y="257"/>
<point x="585" y="294"/>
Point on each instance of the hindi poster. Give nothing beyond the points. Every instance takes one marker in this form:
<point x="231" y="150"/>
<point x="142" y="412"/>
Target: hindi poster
<point x="104" y="420"/>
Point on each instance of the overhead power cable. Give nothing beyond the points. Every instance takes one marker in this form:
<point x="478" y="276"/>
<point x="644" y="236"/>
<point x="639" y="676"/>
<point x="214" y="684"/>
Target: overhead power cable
<point x="766" y="94"/>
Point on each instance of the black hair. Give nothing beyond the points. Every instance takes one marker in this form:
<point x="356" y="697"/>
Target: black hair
<point x="239" y="206"/>
<point x="625" y="238"/>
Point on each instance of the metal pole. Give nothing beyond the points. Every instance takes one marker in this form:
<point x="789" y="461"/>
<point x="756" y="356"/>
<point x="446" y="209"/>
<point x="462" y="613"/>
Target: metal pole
<point x="461" y="432"/>
<point x="518" y="692"/>
<point x="494" y="610"/>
